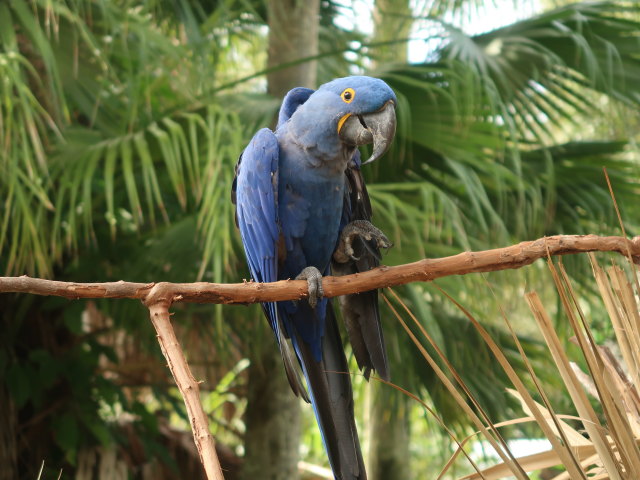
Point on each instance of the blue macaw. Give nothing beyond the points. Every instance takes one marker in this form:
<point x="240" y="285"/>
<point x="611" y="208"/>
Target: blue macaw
<point x="303" y="212"/>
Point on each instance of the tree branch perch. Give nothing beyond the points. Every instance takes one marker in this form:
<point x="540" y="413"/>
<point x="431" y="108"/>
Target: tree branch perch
<point x="511" y="257"/>
<point x="158" y="297"/>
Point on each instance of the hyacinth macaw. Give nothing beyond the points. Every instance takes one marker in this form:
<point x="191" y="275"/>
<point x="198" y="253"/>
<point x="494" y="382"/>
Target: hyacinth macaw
<point x="303" y="212"/>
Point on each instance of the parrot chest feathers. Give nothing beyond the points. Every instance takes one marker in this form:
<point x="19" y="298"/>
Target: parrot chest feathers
<point x="310" y="206"/>
<point x="325" y="155"/>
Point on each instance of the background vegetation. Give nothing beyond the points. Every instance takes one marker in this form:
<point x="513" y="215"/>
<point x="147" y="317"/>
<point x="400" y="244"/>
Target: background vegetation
<point x="120" y="124"/>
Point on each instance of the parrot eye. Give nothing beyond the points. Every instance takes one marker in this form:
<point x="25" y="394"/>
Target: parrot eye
<point x="348" y="95"/>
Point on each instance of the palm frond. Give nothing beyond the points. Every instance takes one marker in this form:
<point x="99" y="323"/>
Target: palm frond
<point x="540" y="65"/>
<point x="132" y="133"/>
<point x="609" y="448"/>
<point x="24" y="135"/>
<point x="193" y="152"/>
<point x="474" y="116"/>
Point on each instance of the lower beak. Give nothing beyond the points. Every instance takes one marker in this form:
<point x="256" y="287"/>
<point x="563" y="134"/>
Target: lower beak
<point x="378" y="128"/>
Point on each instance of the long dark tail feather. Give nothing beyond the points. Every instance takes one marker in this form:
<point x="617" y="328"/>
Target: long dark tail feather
<point x="329" y="384"/>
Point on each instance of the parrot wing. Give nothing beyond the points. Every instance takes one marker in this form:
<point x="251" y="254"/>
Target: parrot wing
<point x="296" y="97"/>
<point x="255" y="193"/>
<point x="360" y="311"/>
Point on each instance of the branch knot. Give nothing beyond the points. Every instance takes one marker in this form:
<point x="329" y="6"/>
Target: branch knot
<point x="161" y="293"/>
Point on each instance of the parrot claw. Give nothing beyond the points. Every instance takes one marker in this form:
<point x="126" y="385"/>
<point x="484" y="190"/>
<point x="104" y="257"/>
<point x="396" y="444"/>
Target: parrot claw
<point x="364" y="230"/>
<point x="314" y="281"/>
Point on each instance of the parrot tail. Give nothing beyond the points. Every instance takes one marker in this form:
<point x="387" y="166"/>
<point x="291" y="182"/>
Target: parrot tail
<point x="329" y="384"/>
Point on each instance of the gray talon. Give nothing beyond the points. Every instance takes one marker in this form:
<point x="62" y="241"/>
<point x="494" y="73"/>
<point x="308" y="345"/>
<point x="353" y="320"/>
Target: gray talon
<point x="365" y="231"/>
<point x="314" y="281"/>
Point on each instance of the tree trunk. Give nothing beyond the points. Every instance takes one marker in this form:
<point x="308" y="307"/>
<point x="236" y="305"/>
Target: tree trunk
<point x="273" y="420"/>
<point x="293" y="35"/>
<point x="273" y="411"/>
<point x="389" y="441"/>
<point x="392" y="22"/>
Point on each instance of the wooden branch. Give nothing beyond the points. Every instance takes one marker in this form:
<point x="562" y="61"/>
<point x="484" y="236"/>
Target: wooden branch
<point x="515" y="256"/>
<point x="159" y="297"/>
<point x="188" y="386"/>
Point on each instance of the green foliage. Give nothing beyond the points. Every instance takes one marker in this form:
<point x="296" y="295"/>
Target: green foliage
<point x="49" y="373"/>
<point x="120" y="124"/>
<point x="485" y="129"/>
<point x="112" y="169"/>
<point x="134" y="131"/>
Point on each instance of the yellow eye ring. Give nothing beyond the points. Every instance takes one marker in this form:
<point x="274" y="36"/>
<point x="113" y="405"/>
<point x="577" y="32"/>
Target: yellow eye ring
<point x="348" y="95"/>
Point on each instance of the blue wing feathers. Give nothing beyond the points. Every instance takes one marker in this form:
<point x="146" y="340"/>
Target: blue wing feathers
<point x="256" y="196"/>
<point x="255" y="186"/>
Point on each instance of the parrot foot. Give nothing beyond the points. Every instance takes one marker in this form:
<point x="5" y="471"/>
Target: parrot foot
<point x="364" y="230"/>
<point x="314" y="281"/>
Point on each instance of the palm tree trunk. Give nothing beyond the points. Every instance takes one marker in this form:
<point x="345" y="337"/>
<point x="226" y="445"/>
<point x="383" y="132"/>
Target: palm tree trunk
<point x="273" y="411"/>
<point x="392" y="23"/>
<point x="293" y="35"/>
<point x="272" y="420"/>
<point x="389" y="440"/>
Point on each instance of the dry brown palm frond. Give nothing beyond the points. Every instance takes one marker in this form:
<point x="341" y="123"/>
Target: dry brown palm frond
<point x="605" y="396"/>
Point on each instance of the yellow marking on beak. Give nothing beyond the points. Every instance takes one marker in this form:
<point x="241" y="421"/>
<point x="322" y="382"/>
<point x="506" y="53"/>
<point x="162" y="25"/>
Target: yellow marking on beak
<point x="342" y="120"/>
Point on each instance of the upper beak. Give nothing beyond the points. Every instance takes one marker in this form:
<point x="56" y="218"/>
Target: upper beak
<point x="378" y="128"/>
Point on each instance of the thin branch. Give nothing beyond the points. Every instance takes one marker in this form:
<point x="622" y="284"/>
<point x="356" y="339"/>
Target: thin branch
<point x="511" y="257"/>
<point x="188" y="386"/>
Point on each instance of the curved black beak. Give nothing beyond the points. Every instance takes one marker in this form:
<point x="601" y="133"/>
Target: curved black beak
<point x="378" y="128"/>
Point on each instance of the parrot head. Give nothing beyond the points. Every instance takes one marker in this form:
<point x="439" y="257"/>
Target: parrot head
<point x="367" y="112"/>
<point x="361" y="111"/>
